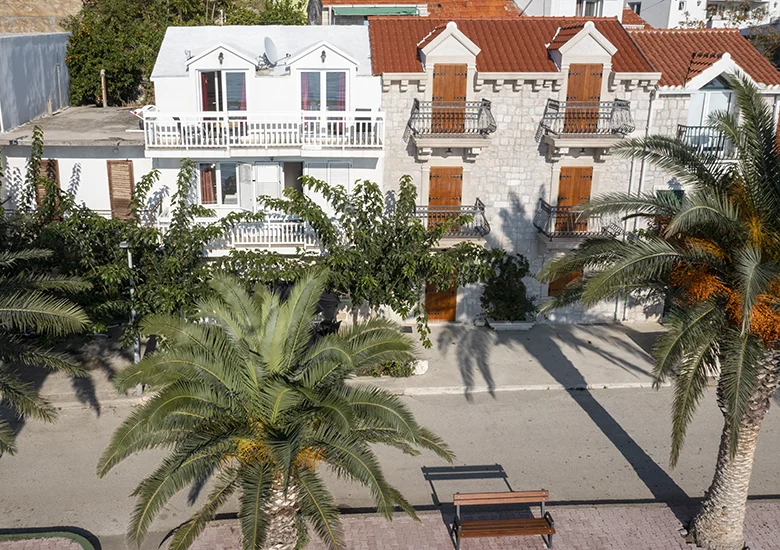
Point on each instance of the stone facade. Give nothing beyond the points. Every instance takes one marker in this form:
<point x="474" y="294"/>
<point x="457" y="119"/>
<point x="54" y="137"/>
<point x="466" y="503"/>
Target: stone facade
<point x="511" y="174"/>
<point x="33" y="16"/>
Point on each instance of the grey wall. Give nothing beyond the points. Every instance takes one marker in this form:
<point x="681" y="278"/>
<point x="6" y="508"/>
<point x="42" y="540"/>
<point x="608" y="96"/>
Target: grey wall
<point x="32" y="72"/>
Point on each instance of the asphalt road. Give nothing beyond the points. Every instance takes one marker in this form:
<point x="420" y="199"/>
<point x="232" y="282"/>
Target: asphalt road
<point x="602" y="445"/>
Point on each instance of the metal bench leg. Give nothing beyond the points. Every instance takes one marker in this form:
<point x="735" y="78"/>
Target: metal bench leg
<point x="547" y="540"/>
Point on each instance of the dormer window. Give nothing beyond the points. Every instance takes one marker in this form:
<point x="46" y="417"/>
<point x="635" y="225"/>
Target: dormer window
<point x="711" y="98"/>
<point x="332" y="96"/>
<point x="223" y="91"/>
<point x="589" y="8"/>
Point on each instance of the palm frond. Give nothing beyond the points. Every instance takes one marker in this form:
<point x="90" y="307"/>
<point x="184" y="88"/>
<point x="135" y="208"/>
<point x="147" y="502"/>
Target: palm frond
<point x="755" y="275"/>
<point x="7" y="438"/>
<point x="255" y="491"/>
<point x="38" y="312"/>
<point x="318" y="507"/>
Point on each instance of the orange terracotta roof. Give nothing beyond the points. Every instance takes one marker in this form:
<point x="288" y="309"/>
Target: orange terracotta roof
<point x="508" y="45"/>
<point x="680" y="54"/>
<point x="462" y="9"/>
<point x="564" y="35"/>
<point x="632" y="20"/>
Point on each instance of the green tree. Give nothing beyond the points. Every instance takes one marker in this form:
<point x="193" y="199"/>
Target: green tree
<point x="31" y="313"/>
<point x="243" y="392"/>
<point x="714" y="256"/>
<point x="377" y="255"/>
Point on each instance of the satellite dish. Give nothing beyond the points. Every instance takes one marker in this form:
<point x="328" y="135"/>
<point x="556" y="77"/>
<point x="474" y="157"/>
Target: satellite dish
<point x="271" y="56"/>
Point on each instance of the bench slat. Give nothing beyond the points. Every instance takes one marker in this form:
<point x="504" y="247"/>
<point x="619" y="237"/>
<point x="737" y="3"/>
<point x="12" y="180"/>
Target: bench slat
<point x="499" y="528"/>
<point x="524" y="522"/>
<point x="515" y="497"/>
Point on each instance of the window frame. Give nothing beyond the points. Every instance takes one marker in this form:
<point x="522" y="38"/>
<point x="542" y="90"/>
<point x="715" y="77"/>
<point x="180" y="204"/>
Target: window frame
<point x="221" y="90"/>
<point x="324" y="90"/>
<point x="582" y="8"/>
<point x="218" y="188"/>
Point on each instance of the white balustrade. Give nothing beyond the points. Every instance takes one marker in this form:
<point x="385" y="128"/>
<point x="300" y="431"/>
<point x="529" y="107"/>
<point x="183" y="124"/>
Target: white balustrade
<point x="242" y="129"/>
<point x="266" y="234"/>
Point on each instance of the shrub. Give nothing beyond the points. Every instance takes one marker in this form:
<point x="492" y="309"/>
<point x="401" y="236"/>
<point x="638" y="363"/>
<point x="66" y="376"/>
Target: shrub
<point x="504" y="297"/>
<point x="395" y="369"/>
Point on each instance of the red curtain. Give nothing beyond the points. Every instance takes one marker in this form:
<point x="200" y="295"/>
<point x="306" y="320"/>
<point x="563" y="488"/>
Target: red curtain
<point x="204" y="91"/>
<point x="208" y="187"/>
<point x="305" y="91"/>
<point x="342" y="92"/>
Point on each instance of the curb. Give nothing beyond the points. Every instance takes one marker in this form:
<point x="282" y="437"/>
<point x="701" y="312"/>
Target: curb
<point x="34" y="535"/>
<point x="460" y="390"/>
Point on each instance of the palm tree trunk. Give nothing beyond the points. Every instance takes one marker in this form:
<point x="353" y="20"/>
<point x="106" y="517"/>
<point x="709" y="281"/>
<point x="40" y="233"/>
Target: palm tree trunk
<point x="720" y="523"/>
<point x="282" y="510"/>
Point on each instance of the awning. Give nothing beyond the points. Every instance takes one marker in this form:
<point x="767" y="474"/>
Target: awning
<point x="375" y="10"/>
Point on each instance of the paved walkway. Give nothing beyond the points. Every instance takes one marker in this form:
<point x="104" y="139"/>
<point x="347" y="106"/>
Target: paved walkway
<point x="54" y="543"/>
<point x="636" y="527"/>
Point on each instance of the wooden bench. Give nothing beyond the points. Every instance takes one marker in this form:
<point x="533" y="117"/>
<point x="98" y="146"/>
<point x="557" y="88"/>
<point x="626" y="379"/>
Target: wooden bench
<point x="544" y="526"/>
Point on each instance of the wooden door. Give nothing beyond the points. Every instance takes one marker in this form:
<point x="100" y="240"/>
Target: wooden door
<point x="573" y="190"/>
<point x="444" y="193"/>
<point x="583" y="93"/>
<point x="50" y="170"/>
<point x="557" y="286"/>
<point x="448" y="112"/>
<point x="120" y="187"/>
<point x="440" y="305"/>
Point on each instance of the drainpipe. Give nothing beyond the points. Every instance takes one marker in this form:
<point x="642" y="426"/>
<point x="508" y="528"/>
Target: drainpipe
<point x="642" y="165"/>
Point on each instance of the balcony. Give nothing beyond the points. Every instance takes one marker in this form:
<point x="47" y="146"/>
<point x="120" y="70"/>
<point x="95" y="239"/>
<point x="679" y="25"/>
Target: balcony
<point x="463" y="124"/>
<point x="476" y="228"/>
<point x="706" y="140"/>
<point x="562" y="227"/>
<point x="221" y="132"/>
<point x="281" y="235"/>
<point x="593" y="124"/>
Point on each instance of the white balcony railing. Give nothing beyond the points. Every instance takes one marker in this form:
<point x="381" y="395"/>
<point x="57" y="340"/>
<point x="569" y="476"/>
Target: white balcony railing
<point x="218" y="130"/>
<point x="270" y="234"/>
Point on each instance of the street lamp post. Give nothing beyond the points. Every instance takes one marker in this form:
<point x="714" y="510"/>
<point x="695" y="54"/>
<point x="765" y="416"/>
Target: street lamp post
<point x="136" y="344"/>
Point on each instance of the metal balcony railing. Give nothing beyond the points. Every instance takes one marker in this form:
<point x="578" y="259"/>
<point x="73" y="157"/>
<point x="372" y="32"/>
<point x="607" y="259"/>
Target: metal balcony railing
<point x="587" y="118"/>
<point x="451" y="119"/>
<point x="706" y="139"/>
<point x="478" y="225"/>
<point x="236" y="129"/>
<point x="563" y="222"/>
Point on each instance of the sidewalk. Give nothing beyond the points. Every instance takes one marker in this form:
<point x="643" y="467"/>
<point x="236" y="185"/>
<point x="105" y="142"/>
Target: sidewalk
<point x="626" y="527"/>
<point x="464" y="359"/>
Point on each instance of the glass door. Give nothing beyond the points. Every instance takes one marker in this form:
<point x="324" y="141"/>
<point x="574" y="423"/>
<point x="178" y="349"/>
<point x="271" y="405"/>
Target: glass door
<point x="323" y="92"/>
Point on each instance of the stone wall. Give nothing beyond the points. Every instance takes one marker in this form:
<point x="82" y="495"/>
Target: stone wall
<point x="510" y="176"/>
<point x="34" y="16"/>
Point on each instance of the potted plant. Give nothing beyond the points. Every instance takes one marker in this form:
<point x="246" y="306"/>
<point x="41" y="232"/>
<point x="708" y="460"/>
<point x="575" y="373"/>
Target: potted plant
<point x="504" y="299"/>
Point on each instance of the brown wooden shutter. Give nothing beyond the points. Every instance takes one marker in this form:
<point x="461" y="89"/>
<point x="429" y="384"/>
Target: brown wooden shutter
<point x="444" y="192"/>
<point x="557" y="286"/>
<point x="573" y="189"/>
<point x="441" y="305"/>
<point x="120" y="187"/>
<point x="583" y="93"/>
<point x="450" y="82"/>
<point x="49" y="169"/>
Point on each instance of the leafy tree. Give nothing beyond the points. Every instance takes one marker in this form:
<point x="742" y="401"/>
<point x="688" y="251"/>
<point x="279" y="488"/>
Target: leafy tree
<point x="378" y="256"/>
<point x="243" y="392"/>
<point x="505" y="297"/>
<point x="30" y="311"/>
<point x="124" y="36"/>
<point x="715" y="257"/>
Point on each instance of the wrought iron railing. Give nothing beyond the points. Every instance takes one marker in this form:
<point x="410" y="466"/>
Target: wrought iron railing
<point x="475" y="226"/>
<point x="452" y="118"/>
<point x="557" y="222"/>
<point x="706" y="139"/>
<point x="217" y="130"/>
<point x="587" y="118"/>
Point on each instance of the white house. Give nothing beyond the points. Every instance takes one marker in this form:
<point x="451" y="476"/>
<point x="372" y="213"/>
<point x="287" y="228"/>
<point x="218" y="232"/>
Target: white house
<point x="670" y="14"/>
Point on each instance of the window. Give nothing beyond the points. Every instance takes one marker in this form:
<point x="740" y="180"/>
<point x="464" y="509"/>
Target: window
<point x="589" y="8"/>
<point x="219" y="184"/>
<point x="333" y="96"/>
<point x="681" y="6"/>
<point x="711" y="98"/>
<point x="223" y="91"/>
<point x="636" y="7"/>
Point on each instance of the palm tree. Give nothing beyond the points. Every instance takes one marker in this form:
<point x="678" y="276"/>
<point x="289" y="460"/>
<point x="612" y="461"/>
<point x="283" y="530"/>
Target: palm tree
<point x="246" y="393"/>
<point x="28" y="314"/>
<point x="714" y="256"/>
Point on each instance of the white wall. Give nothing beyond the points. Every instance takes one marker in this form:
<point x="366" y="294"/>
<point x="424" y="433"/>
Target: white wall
<point x="266" y="92"/>
<point x="83" y="171"/>
<point x="566" y="8"/>
<point x="32" y="72"/>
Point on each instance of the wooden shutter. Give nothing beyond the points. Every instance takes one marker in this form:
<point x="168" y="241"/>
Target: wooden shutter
<point x="448" y="110"/>
<point x="120" y="187"/>
<point x="573" y="189"/>
<point x="557" y="286"/>
<point x="441" y="305"/>
<point x="583" y="93"/>
<point x="49" y="169"/>
<point x="444" y="193"/>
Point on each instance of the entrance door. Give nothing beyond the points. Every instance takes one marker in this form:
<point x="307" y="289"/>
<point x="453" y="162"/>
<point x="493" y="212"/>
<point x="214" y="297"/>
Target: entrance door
<point x="573" y="190"/>
<point x="440" y="305"/>
<point x="444" y="193"/>
<point x="448" y="112"/>
<point x="583" y="94"/>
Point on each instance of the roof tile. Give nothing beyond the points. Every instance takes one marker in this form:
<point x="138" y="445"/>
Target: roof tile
<point x="680" y="54"/>
<point x="632" y="20"/>
<point x="507" y="44"/>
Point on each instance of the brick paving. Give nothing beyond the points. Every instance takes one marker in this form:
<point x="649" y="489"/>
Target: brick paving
<point x="53" y="543"/>
<point x="602" y="527"/>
